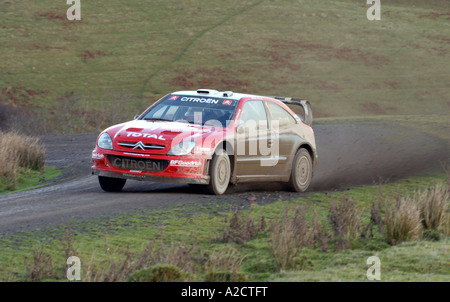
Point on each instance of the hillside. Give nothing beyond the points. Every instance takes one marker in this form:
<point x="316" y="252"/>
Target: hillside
<point x="122" y="56"/>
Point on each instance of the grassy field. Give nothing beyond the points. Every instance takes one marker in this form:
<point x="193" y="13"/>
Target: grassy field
<point x="209" y="241"/>
<point x="22" y="163"/>
<point x="29" y="179"/>
<point x="123" y="56"/>
<point x="83" y="76"/>
<point x="237" y="240"/>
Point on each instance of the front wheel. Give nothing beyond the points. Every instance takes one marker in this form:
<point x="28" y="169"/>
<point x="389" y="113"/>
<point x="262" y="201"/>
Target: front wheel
<point x="110" y="184"/>
<point x="302" y="171"/>
<point x="220" y="173"/>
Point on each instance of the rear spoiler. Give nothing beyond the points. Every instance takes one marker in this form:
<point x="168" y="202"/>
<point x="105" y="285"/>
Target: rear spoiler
<point x="308" y="117"/>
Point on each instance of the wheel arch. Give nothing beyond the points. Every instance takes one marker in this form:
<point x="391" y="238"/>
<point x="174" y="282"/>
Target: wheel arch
<point x="311" y="151"/>
<point x="229" y="149"/>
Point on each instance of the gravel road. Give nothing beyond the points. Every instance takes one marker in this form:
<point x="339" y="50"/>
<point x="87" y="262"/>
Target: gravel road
<point x="350" y="153"/>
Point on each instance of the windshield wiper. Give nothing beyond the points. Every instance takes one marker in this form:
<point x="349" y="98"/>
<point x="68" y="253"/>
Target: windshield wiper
<point x="157" y="119"/>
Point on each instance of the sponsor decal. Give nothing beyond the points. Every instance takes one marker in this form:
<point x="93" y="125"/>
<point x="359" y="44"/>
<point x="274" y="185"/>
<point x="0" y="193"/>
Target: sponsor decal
<point x="182" y="163"/>
<point x="227" y="102"/>
<point x="199" y="100"/>
<point x="173" y="98"/>
<point x="132" y="164"/>
<point x="133" y="175"/>
<point x="97" y="156"/>
<point x="145" y="135"/>
<point x="134" y="154"/>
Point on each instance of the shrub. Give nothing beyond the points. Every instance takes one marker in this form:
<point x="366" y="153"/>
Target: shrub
<point x="224" y="265"/>
<point x="375" y="220"/>
<point x="179" y="255"/>
<point x="403" y="221"/>
<point x="320" y="236"/>
<point x="242" y="229"/>
<point x="288" y="236"/>
<point x="346" y="223"/>
<point x="158" y="273"/>
<point x="226" y="276"/>
<point x="433" y="204"/>
<point x="432" y="235"/>
<point x="41" y="266"/>
<point x="19" y="151"/>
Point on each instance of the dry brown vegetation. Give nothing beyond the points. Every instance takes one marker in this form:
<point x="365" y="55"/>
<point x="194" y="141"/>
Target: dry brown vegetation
<point x="288" y="236"/>
<point x="346" y="223"/>
<point x="403" y="221"/>
<point x="415" y="214"/>
<point x="285" y="237"/>
<point x="433" y="204"/>
<point x="242" y="229"/>
<point x="17" y="152"/>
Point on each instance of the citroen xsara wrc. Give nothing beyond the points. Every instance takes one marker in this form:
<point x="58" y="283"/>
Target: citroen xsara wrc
<point x="210" y="139"/>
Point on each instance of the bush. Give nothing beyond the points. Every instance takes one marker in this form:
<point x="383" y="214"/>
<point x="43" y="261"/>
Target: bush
<point x="403" y="221"/>
<point x="41" y="267"/>
<point x="288" y="236"/>
<point x="223" y="265"/>
<point x="346" y="223"/>
<point x="242" y="229"/>
<point x="19" y="151"/>
<point x="226" y="276"/>
<point x="433" y="204"/>
<point x="158" y="273"/>
<point x="432" y="235"/>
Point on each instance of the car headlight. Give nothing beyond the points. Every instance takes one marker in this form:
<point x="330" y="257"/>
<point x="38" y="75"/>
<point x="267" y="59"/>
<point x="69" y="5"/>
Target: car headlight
<point x="182" y="148"/>
<point x="105" y="141"/>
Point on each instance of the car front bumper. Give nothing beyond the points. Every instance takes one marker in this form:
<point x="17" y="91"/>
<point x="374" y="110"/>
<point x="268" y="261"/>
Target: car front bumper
<point x="191" y="169"/>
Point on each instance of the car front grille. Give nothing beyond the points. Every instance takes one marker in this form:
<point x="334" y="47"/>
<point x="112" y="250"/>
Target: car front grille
<point x="140" y="146"/>
<point x="139" y="164"/>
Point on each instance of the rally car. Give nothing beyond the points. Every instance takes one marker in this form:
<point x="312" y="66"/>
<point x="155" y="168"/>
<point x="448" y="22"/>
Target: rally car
<point x="210" y="139"/>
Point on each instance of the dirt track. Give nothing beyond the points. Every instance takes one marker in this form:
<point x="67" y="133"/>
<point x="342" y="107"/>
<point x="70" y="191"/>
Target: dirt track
<point x="350" y="153"/>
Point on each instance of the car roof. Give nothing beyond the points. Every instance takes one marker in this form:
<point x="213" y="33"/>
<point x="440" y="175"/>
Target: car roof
<point x="217" y="94"/>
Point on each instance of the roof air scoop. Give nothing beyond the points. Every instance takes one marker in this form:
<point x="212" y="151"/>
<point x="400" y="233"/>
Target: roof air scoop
<point x="207" y="91"/>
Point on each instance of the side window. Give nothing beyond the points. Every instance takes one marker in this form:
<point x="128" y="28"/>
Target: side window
<point x="278" y="113"/>
<point x="253" y="115"/>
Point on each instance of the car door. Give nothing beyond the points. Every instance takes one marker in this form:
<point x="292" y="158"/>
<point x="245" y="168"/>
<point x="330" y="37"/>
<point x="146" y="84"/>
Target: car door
<point x="251" y="137"/>
<point x="283" y="138"/>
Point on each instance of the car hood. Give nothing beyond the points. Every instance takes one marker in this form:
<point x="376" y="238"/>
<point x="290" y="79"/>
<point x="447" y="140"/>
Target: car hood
<point x="158" y="133"/>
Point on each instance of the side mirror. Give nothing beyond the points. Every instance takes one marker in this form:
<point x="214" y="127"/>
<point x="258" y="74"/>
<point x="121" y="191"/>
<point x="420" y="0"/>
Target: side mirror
<point x="136" y="116"/>
<point x="240" y="129"/>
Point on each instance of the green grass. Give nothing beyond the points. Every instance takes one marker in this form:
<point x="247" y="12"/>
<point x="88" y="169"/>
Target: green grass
<point x="30" y="179"/>
<point x="125" y="55"/>
<point x="421" y="261"/>
<point x="325" y="51"/>
<point x="98" y="242"/>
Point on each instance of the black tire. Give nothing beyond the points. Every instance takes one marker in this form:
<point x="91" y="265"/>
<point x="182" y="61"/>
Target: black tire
<point x="110" y="184"/>
<point x="220" y="173"/>
<point x="302" y="171"/>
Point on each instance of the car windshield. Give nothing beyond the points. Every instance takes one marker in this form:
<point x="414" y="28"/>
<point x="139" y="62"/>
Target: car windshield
<point x="194" y="110"/>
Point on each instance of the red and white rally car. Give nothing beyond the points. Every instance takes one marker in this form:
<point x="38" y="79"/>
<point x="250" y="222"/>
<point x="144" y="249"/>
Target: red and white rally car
<point x="210" y="138"/>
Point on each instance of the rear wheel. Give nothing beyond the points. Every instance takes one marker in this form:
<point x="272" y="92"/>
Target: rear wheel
<point x="110" y="184"/>
<point x="220" y="173"/>
<point x="302" y="170"/>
